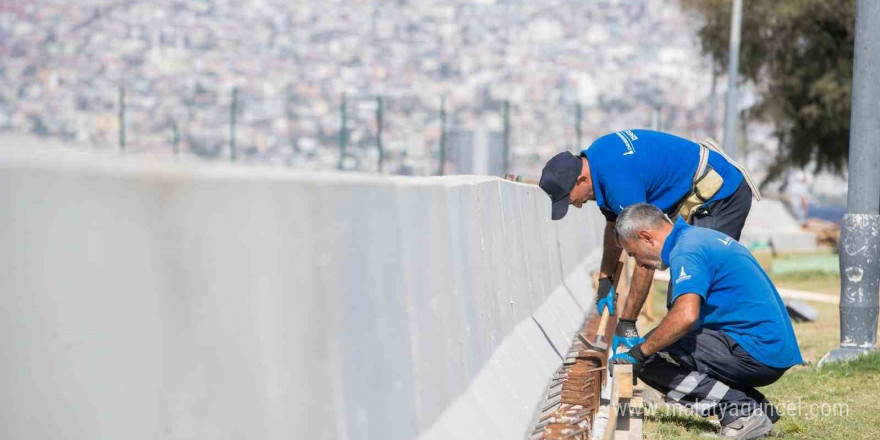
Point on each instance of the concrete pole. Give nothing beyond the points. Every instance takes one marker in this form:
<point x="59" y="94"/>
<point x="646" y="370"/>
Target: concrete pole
<point x="859" y="265"/>
<point x="442" y="136"/>
<point x="730" y="108"/>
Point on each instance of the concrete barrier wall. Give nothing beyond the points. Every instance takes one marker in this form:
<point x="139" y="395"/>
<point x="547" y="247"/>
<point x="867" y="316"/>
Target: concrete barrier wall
<point x="769" y="222"/>
<point x="146" y="301"/>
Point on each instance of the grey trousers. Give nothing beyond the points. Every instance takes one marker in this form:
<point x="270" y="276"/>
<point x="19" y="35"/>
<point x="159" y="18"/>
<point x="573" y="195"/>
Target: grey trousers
<point x="708" y="371"/>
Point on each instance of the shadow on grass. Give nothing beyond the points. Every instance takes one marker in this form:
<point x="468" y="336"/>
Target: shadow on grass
<point x="690" y="423"/>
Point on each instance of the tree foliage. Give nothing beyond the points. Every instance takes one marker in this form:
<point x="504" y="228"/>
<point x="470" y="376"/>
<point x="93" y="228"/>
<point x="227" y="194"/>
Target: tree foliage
<point x="800" y="54"/>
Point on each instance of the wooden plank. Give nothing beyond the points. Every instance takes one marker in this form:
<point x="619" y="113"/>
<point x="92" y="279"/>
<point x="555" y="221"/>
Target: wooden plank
<point x="612" y="412"/>
<point x="634" y="421"/>
<point x="623" y="376"/>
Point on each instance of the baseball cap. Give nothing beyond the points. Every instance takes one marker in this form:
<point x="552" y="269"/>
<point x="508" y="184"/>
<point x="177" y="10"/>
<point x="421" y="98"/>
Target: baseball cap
<point x="557" y="179"/>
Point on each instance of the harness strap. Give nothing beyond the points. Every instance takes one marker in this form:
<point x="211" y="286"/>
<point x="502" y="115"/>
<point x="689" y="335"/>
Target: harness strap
<point x="702" y="166"/>
<point x="712" y="145"/>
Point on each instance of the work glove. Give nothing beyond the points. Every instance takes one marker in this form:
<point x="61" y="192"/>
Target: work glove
<point x="634" y="356"/>
<point x="605" y="296"/>
<point x="625" y="334"/>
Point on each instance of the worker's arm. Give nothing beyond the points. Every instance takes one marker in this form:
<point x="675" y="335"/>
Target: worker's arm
<point x="677" y="323"/>
<point x="610" y="256"/>
<point x="641" y="279"/>
<point x="610" y="252"/>
<point x="694" y="286"/>
<point x="626" y="333"/>
<point x="638" y="291"/>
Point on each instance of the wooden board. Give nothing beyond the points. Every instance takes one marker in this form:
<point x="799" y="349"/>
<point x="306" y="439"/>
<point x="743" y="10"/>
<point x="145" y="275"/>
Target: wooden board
<point x="622" y="375"/>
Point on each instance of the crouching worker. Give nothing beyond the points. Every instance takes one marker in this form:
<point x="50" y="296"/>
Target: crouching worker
<point x="727" y="331"/>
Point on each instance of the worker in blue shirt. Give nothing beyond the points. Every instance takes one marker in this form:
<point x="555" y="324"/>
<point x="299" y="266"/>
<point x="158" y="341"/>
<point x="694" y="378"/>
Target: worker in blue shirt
<point x="727" y="332"/>
<point x="681" y="177"/>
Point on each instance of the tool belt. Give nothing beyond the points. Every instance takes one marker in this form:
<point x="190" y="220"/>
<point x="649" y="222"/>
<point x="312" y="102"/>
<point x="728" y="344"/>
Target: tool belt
<point x="707" y="181"/>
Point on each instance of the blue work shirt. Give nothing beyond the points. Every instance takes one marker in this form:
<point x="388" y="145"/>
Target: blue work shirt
<point x="644" y="166"/>
<point x="738" y="296"/>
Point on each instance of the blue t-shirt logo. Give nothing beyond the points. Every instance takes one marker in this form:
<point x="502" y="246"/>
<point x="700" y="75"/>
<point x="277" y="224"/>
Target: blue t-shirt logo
<point x="682" y="276"/>
<point x="628" y="137"/>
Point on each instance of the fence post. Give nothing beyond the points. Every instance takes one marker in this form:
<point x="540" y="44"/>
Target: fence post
<point x="122" y="118"/>
<point x="655" y="118"/>
<point x="506" y="139"/>
<point x="379" y="131"/>
<point x="175" y="137"/>
<point x="578" y="115"/>
<point x="442" y="135"/>
<point x="343" y="132"/>
<point x="233" y="110"/>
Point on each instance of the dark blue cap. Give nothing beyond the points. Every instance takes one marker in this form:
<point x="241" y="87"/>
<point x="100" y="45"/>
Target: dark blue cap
<point x="557" y="179"/>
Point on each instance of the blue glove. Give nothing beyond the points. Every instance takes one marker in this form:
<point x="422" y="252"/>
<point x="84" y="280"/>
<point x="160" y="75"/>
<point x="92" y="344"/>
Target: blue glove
<point x="605" y="295"/>
<point x="625" y="334"/>
<point x="634" y="357"/>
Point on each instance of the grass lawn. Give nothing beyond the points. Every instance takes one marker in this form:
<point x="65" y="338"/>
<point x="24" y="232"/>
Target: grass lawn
<point x="851" y="387"/>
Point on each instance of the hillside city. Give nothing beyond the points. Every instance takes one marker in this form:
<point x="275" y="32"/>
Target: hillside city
<point x="289" y="64"/>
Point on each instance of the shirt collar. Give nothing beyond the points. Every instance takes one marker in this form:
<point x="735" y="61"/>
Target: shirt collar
<point x="671" y="239"/>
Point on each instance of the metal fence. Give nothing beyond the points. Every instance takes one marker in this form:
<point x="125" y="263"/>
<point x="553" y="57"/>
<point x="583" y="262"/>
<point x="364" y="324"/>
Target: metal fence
<point x="370" y="133"/>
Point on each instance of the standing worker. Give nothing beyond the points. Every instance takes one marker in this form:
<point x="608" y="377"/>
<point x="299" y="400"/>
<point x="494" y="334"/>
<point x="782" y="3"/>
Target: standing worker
<point x="727" y="332"/>
<point x="694" y="180"/>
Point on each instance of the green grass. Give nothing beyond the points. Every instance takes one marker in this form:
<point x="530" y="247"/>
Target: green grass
<point x="844" y="392"/>
<point x="852" y="386"/>
<point x="849" y="388"/>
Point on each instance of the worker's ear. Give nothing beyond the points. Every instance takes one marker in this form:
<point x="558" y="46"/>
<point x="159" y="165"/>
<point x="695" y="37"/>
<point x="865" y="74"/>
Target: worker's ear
<point x="646" y="236"/>
<point x="581" y="179"/>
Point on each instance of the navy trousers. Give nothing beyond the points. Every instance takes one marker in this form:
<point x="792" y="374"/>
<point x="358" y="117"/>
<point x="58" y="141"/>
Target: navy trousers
<point x="711" y="373"/>
<point x="727" y="215"/>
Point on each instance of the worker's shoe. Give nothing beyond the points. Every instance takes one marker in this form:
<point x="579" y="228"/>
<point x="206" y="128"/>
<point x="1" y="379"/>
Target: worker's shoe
<point x="750" y="427"/>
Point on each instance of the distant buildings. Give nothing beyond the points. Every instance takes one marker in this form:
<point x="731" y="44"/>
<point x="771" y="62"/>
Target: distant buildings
<point x="61" y="64"/>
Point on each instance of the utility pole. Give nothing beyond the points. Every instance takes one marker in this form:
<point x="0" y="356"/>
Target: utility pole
<point x="506" y="159"/>
<point x="122" y="118"/>
<point x="578" y="116"/>
<point x="233" y="109"/>
<point x="731" y="106"/>
<point x="442" y="136"/>
<point x="713" y="106"/>
<point x="343" y="132"/>
<point x="379" y="131"/>
<point x="859" y="268"/>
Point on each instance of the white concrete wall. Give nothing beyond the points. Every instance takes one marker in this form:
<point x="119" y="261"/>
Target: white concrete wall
<point x="145" y="301"/>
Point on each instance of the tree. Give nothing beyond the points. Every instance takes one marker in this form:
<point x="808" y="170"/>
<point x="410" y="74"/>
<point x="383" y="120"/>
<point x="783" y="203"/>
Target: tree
<point x="800" y="54"/>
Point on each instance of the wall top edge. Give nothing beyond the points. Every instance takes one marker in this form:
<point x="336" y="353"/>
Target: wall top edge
<point x="139" y="167"/>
